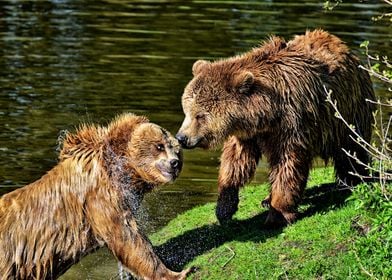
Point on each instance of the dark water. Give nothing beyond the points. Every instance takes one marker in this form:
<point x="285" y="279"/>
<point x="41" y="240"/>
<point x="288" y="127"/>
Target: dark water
<point x="64" y="62"/>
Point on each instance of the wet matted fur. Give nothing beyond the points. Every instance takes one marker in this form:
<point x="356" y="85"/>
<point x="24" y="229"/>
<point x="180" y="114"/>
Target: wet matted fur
<point x="272" y="101"/>
<point x="88" y="200"/>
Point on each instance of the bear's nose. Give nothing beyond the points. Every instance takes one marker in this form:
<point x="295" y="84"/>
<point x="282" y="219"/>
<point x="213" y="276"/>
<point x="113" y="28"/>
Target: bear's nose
<point x="182" y="139"/>
<point x="174" y="163"/>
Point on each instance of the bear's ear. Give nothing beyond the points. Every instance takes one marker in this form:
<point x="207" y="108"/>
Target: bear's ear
<point x="198" y="66"/>
<point x="243" y="82"/>
<point x="119" y="131"/>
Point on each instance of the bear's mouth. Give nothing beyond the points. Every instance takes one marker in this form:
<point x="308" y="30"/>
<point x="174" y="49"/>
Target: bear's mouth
<point x="197" y="142"/>
<point x="202" y="143"/>
<point x="168" y="173"/>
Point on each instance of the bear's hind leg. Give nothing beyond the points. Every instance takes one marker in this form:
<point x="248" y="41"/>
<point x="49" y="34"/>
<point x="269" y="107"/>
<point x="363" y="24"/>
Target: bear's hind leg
<point x="238" y="164"/>
<point x="346" y="167"/>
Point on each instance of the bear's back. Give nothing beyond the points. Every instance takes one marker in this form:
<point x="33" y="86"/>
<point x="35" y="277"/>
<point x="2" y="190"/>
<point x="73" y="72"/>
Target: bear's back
<point x="322" y="47"/>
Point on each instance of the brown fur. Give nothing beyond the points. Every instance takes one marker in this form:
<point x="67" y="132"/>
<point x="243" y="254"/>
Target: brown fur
<point x="88" y="200"/>
<point x="271" y="100"/>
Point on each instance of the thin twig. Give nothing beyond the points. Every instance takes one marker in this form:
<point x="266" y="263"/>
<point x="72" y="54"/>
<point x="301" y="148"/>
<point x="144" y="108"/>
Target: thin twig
<point x="363" y="177"/>
<point x="368" y="273"/>
<point x="379" y="155"/>
<point x="379" y="103"/>
<point x="388" y="2"/>
<point x="366" y="165"/>
<point x="377" y="75"/>
<point x="231" y="257"/>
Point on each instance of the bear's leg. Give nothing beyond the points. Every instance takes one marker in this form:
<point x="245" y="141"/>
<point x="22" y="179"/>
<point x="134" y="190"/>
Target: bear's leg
<point x="238" y="164"/>
<point x="288" y="180"/>
<point x="346" y="167"/>
<point x="119" y="231"/>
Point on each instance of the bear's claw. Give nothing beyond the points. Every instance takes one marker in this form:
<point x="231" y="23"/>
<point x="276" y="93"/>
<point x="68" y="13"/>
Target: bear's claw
<point x="278" y="219"/>
<point x="266" y="202"/>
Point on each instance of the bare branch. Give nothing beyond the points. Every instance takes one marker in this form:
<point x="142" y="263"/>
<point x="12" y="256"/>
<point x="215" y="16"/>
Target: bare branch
<point x="348" y="125"/>
<point x="388" y="2"/>
<point x="377" y="75"/>
<point x="380" y="103"/>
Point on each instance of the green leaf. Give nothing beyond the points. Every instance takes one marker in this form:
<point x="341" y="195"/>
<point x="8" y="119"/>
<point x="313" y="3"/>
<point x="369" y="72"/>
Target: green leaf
<point x="364" y="44"/>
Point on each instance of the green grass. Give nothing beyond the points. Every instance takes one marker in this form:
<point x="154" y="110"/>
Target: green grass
<point x="320" y="245"/>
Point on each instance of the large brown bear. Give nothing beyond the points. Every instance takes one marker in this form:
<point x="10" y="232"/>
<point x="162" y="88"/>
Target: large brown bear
<point x="88" y="200"/>
<point x="272" y="101"/>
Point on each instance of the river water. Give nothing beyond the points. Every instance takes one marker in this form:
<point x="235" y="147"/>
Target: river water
<point x="64" y="62"/>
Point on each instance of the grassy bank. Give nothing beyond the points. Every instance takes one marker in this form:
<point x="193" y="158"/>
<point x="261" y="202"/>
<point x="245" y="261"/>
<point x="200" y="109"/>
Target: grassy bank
<point x="328" y="241"/>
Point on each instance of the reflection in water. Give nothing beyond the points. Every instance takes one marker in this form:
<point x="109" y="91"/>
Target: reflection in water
<point x="64" y="62"/>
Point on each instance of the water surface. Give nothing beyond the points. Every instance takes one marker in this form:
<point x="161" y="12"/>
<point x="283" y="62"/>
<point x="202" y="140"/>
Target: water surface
<point x="65" y="61"/>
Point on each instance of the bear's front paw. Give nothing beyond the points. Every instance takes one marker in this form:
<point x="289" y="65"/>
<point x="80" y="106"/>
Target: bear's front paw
<point x="227" y="205"/>
<point x="279" y="219"/>
<point x="186" y="272"/>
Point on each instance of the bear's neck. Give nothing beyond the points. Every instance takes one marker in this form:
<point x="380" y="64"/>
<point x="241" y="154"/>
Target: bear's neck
<point x="131" y="188"/>
<point x="126" y="180"/>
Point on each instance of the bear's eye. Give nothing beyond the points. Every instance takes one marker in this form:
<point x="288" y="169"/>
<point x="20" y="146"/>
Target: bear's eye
<point x="160" y="147"/>
<point x="200" y="117"/>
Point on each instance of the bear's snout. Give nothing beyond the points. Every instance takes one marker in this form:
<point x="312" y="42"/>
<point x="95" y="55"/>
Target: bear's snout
<point x="174" y="163"/>
<point x="183" y="139"/>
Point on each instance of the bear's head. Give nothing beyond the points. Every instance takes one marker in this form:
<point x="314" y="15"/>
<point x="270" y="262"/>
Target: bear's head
<point x="144" y="148"/>
<point x="216" y="103"/>
<point x="132" y="149"/>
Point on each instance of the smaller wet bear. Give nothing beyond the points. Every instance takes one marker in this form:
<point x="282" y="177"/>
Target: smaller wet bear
<point x="88" y="200"/>
<point x="272" y="101"/>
